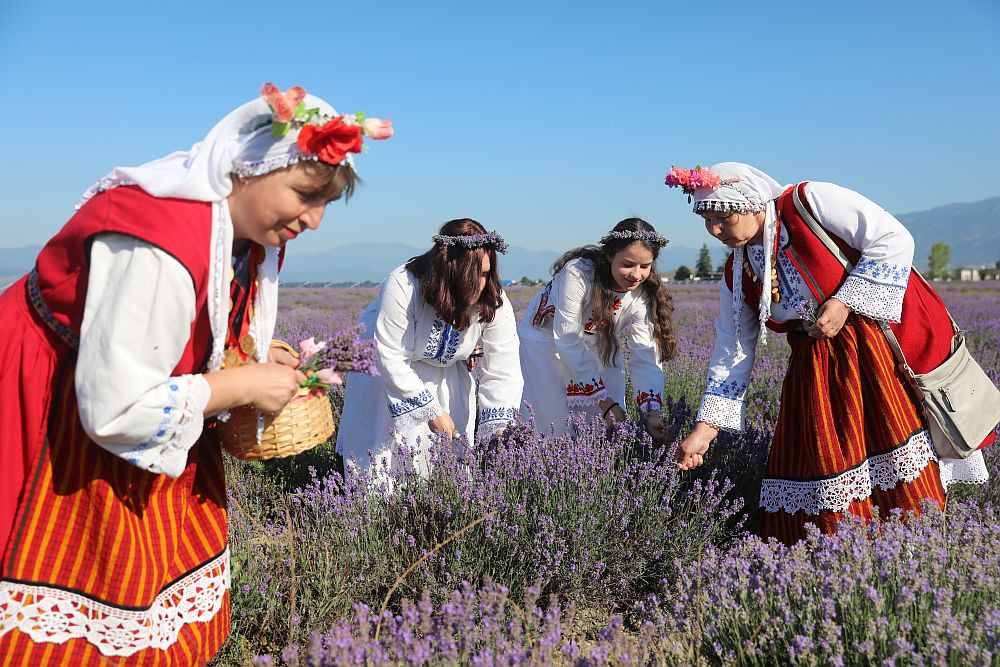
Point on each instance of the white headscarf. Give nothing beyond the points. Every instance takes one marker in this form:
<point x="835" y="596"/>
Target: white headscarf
<point x="745" y="189"/>
<point x="241" y="143"/>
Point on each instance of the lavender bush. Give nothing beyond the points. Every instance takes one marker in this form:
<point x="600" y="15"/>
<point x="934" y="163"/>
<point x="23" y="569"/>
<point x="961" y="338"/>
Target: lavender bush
<point x="651" y="566"/>
<point x="924" y="592"/>
<point x="584" y="517"/>
<point x="478" y="627"/>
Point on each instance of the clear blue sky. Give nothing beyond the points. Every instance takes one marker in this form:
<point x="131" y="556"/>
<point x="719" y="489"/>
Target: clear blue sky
<point x="548" y="121"/>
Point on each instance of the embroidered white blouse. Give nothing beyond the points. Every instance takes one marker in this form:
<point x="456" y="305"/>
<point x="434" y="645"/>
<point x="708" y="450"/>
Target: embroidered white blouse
<point x="874" y="288"/>
<point x="408" y="331"/>
<point x="564" y="311"/>
<point x="140" y="304"/>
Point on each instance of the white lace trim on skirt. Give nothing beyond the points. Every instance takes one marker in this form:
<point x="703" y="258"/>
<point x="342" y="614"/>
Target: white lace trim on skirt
<point x="902" y="464"/>
<point x="55" y="616"/>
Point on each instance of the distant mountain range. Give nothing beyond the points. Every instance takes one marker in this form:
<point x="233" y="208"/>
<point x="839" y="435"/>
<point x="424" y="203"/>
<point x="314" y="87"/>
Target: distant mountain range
<point x="972" y="231"/>
<point x="372" y="261"/>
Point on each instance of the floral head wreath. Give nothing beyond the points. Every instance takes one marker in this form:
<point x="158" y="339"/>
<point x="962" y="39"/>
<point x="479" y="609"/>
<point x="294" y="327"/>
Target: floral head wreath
<point x="637" y="235"/>
<point x="489" y="239"/>
<point x="703" y="178"/>
<point x="329" y="138"/>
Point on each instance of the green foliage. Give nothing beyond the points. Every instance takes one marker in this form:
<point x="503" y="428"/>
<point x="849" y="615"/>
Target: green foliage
<point x="682" y="273"/>
<point x="939" y="260"/>
<point x="704" y="266"/>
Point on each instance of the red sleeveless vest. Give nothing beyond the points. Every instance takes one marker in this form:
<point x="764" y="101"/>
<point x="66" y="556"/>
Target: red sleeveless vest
<point x="180" y="227"/>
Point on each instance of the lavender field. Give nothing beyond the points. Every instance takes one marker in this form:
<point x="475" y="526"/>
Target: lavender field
<point x="596" y="550"/>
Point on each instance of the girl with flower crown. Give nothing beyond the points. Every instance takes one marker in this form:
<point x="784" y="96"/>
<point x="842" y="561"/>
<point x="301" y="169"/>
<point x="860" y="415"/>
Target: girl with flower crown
<point x="850" y="436"/>
<point x="437" y="319"/>
<point x="572" y="333"/>
<point x="147" y="315"/>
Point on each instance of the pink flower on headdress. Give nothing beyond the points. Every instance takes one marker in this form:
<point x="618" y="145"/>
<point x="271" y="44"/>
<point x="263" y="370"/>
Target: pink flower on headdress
<point x="692" y="179"/>
<point x="376" y="128"/>
<point x="703" y="178"/>
<point x="283" y="104"/>
<point x="677" y="177"/>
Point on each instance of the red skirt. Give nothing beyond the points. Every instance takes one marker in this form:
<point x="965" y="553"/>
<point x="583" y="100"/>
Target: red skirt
<point x="102" y="562"/>
<point x="850" y="437"/>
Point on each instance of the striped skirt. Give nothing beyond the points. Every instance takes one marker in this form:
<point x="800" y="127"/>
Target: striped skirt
<point x="850" y="437"/>
<point x="102" y="563"/>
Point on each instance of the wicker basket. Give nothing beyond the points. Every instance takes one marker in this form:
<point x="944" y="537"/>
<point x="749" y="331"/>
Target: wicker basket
<point x="305" y="422"/>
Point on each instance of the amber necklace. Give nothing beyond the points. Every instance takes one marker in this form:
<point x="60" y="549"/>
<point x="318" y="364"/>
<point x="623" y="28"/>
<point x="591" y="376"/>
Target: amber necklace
<point x="775" y="292"/>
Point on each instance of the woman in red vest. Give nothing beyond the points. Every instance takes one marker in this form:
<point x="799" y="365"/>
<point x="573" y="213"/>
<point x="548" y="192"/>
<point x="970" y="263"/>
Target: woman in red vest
<point x="145" y="316"/>
<point x="850" y="435"/>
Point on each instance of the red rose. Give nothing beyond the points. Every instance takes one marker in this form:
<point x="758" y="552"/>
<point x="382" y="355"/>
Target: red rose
<point x="331" y="141"/>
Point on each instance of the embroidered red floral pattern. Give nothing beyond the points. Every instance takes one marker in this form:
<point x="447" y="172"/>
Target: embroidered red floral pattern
<point x="649" y="400"/>
<point x="590" y="326"/>
<point x="585" y="388"/>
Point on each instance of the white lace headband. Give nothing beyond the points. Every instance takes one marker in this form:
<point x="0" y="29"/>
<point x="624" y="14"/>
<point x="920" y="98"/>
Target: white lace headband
<point x="732" y="195"/>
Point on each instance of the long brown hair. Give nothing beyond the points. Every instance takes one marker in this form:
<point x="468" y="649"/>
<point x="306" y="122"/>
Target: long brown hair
<point x="661" y="303"/>
<point x="449" y="276"/>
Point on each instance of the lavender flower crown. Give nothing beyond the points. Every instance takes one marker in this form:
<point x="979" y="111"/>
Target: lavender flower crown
<point x="489" y="239"/>
<point x="638" y="235"/>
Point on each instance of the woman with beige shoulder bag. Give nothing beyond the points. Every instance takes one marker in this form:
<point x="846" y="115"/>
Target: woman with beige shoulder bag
<point x="851" y="434"/>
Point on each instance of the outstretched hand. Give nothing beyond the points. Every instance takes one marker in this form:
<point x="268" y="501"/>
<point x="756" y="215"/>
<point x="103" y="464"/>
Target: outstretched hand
<point x="443" y="424"/>
<point x="691" y="452"/>
<point x="653" y="422"/>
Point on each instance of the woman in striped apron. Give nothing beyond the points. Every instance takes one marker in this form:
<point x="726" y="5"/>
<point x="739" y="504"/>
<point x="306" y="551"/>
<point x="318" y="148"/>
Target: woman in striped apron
<point x="850" y="435"/>
<point x="143" y="318"/>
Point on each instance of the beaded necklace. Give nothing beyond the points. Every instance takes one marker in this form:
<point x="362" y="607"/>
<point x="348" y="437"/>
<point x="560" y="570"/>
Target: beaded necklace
<point x="775" y="292"/>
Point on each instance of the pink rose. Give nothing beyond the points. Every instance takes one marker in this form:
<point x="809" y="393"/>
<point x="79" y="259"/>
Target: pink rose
<point x="283" y="104"/>
<point x="692" y="179"/>
<point x="329" y="376"/>
<point x="268" y="91"/>
<point x="376" y="128"/>
<point x="309" y="346"/>
<point x="283" y="111"/>
<point x="294" y="95"/>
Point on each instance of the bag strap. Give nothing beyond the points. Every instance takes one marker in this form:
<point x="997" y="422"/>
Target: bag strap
<point x="823" y="236"/>
<point x="818" y="230"/>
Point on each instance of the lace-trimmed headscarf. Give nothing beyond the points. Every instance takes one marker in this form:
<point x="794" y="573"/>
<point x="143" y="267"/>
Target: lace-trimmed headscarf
<point x="242" y="143"/>
<point x="745" y="189"/>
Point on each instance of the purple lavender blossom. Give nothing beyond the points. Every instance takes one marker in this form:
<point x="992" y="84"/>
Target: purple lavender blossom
<point x="590" y="520"/>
